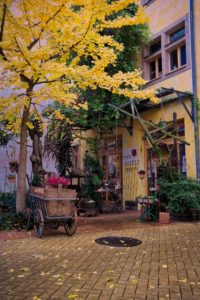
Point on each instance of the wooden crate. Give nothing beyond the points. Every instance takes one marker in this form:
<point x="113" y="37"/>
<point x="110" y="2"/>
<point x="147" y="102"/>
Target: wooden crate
<point x="67" y="193"/>
<point x="51" y="192"/>
<point x="58" y="208"/>
<point x="39" y="191"/>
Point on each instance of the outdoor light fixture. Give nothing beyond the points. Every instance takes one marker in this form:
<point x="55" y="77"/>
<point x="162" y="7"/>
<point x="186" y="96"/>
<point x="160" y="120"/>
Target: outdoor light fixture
<point x="141" y="174"/>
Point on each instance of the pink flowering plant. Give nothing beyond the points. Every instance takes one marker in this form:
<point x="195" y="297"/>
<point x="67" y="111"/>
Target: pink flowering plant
<point x="55" y="181"/>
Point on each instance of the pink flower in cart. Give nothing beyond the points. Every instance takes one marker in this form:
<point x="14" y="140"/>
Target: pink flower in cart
<point x="54" y="181"/>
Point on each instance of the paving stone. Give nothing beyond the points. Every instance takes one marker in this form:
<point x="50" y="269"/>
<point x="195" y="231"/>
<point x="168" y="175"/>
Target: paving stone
<point x="165" y="266"/>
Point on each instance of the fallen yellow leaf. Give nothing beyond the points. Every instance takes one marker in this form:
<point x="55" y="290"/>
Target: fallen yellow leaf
<point x="24" y="269"/>
<point x="72" y="296"/>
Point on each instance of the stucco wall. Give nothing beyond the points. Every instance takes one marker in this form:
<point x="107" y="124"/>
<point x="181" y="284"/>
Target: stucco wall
<point x="10" y="153"/>
<point x="181" y="82"/>
<point x="163" y="12"/>
<point x="132" y="185"/>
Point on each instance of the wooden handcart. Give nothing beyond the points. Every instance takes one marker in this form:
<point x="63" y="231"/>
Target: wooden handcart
<point x="52" y="212"/>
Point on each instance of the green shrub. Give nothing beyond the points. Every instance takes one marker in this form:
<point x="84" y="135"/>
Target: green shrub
<point x="94" y="176"/>
<point x="9" y="200"/>
<point x="37" y="180"/>
<point x="181" y="195"/>
<point x="12" y="221"/>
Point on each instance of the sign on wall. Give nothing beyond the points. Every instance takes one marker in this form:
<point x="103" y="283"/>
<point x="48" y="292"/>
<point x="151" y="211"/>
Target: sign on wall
<point x="129" y="156"/>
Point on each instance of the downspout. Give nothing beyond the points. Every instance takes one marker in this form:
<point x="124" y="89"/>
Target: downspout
<point x="194" y="90"/>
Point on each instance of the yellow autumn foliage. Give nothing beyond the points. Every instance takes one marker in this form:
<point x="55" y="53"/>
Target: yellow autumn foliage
<point x="42" y="46"/>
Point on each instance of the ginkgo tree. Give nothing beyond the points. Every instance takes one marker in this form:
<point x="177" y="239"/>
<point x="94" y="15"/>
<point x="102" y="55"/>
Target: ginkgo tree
<point x="43" y="46"/>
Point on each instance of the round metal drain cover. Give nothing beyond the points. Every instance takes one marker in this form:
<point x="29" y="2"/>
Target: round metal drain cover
<point x="116" y="241"/>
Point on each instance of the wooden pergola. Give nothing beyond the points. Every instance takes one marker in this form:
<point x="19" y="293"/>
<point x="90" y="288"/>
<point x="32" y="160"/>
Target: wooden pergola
<point x="155" y="133"/>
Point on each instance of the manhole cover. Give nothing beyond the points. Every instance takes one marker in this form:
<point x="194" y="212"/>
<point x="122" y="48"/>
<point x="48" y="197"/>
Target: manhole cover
<point x="116" y="241"/>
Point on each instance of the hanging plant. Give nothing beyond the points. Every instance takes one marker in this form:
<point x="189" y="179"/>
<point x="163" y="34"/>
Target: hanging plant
<point x="141" y="174"/>
<point x="13" y="166"/>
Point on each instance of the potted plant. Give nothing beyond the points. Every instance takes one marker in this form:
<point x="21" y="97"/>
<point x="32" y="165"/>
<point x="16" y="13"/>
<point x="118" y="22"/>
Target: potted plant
<point x="57" y="187"/>
<point x="183" y="196"/>
<point x="93" y="179"/>
<point x="12" y="178"/>
<point x="37" y="185"/>
<point x="13" y="166"/>
<point x="164" y="216"/>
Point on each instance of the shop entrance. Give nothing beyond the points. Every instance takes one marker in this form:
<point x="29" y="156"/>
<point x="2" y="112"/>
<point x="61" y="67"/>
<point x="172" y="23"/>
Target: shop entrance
<point x="172" y="158"/>
<point x="112" y="169"/>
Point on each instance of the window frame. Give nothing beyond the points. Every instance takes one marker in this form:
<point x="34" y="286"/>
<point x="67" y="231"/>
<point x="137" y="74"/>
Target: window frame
<point x="146" y="2"/>
<point x="151" y="57"/>
<point x="178" y="50"/>
<point x="157" y="73"/>
<point x="166" y="48"/>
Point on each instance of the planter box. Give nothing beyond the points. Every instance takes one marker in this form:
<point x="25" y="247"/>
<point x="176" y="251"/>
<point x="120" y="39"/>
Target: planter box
<point x="58" y="208"/>
<point x="36" y="190"/>
<point x="53" y="192"/>
<point x="12" y="180"/>
<point x="67" y="193"/>
<point x="164" y="218"/>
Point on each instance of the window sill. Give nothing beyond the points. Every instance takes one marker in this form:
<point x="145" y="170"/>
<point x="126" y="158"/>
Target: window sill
<point x="175" y="43"/>
<point x="176" y="70"/>
<point x="168" y="75"/>
<point x="154" y="80"/>
<point x="152" y="56"/>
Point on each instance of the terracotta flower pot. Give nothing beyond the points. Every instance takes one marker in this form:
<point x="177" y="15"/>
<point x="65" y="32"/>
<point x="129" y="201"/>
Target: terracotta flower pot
<point x="12" y="180"/>
<point x="164" y="218"/>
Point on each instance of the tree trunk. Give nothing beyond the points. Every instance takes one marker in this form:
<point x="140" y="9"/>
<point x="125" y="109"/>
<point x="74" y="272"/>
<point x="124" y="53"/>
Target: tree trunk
<point x="21" y="181"/>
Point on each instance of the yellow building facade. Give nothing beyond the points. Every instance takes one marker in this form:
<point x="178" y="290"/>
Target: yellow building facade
<point x="171" y="65"/>
<point x="172" y="62"/>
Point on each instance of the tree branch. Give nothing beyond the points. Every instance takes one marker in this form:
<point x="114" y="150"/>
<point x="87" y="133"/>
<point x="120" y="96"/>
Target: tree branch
<point x="34" y="42"/>
<point x="22" y="52"/>
<point x="3" y="22"/>
<point x="87" y="30"/>
<point x="56" y="13"/>
<point x="48" y="81"/>
<point x="2" y="54"/>
<point x="26" y="79"/>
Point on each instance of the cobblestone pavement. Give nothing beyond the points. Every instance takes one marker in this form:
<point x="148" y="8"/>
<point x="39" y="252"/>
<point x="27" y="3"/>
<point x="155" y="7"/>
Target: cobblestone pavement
<point x="165" y="266"/>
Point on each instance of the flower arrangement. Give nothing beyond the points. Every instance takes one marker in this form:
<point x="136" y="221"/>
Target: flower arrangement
<point x="13" y="166"/>
<point x="55" y="181"/>
<point x="11" y="176"/>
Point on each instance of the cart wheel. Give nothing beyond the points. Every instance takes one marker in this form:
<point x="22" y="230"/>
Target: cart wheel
<point x="38" y="223"/>
<point x="71" y="226"/>
<point x="28" y="219"/>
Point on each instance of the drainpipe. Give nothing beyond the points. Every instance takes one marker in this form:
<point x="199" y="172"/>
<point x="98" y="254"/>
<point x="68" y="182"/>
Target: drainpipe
<point x="194" y="90"/>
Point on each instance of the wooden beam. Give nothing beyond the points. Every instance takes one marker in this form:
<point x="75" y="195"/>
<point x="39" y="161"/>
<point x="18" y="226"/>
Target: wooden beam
<point x="143" y="124"/>
<point x="165" y="132"/>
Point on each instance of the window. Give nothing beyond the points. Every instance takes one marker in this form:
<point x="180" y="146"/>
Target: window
<point x="155" y="47"/>
<point x="176" y="47"/>
<point x="178" y="58"/>
<point x="183" y="55"/>
<point x="178" y="34"/>
<point x="155" y="68"/>
<point x="174" y="59"/>
<point x="169" y="52"/>
<point x="153" y="60"/>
